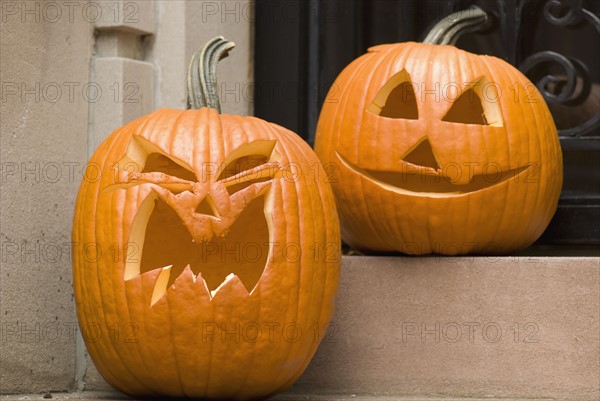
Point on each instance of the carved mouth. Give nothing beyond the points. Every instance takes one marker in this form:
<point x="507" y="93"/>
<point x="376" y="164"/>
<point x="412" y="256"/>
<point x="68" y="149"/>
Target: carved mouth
<point x="219" y="234"/>
<point x="241" y="253"/>
<point x="419" y="180"/>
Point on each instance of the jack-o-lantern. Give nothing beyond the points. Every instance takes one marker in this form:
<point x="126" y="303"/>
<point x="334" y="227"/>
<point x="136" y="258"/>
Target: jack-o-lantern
<point x="203" y="266"/>
<point x="439" y="150"/>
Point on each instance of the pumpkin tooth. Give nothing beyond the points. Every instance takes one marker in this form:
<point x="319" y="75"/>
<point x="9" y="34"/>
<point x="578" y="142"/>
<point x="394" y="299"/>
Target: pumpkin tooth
<point x="201" y="283"/>
<point x="230" y="287"/>
<point x="188" y="270"/>
<point x="161" y="284"/>
<point x="229" y="277"/>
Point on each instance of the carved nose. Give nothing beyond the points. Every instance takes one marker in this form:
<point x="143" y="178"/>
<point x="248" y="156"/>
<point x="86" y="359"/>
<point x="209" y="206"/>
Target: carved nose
<point x="422" y="155"/>
<point x="207" y="207"/>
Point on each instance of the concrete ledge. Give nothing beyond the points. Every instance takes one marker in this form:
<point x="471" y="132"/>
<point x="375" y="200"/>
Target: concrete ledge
<point x="114" y="396"/>
<point x="510" y="327"/>
<point x="450" y="328"/>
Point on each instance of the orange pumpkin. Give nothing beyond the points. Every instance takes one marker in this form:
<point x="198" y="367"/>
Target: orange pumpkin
<point x="439" y="151"/>
<point x="202" y="266"/>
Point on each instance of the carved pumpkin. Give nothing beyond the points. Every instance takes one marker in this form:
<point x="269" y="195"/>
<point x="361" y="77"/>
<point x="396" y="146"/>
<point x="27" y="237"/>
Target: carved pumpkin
<point x="439" y="151"/>
<point x="202" y="267"/>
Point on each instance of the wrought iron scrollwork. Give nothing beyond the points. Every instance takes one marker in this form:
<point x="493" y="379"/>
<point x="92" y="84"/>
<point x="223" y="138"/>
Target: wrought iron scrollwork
<point x="573" y="86"/>
<point x="553" y="8"/>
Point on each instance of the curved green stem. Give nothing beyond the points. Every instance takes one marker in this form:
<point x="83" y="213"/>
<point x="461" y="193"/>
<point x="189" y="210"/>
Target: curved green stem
<point x="202" y="74"/>
<point x="449" y="29"/>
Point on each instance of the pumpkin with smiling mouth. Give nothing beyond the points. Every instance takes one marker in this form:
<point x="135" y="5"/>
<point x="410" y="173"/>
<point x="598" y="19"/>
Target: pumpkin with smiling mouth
<point x="214" y="268"/>
<point x="439" y="150"/>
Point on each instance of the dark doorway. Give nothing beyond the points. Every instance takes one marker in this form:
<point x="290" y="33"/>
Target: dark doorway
<point x="302" y="45"/>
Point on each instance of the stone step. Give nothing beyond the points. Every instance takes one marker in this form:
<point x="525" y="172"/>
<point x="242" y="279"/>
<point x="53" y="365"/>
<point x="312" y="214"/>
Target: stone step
<point x="114" y="396"/>
<point x="483" y="327"/>
<point x="523" y="327"/>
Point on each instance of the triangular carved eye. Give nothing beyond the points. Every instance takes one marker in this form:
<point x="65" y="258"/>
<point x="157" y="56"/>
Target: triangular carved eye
<point x="467" y="109"/>
<point x="160" y="163"/>
<point x="476" y="105"/>
<point x="249" y="164"/>
<point x="396" y="99"/>
<point x="142" y="156"/>
<point x="247" y="157"/>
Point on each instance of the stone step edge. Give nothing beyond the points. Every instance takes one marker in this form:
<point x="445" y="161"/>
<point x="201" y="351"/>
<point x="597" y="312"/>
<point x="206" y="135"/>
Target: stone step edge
<point x="116" y="396"/>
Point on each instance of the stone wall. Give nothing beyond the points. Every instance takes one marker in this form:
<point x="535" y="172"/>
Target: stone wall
<point x="70" y="73"/>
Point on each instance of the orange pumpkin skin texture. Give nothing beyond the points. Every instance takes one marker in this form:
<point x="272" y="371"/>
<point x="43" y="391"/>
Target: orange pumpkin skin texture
<point x="470" y="208"/>
<point x="153" y="339"/>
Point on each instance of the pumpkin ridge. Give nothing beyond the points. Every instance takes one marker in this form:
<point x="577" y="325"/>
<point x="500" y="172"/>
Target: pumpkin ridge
<point x="299" y="240"/>
<point x="300" y="156"/>
<point x="256" y="291"/>
<point x="110" y="142"/>
<point x="312" y="349"/>
<point x="140" y="289"/>
<point x="376" y="67"/>
<point x="541" y="151"/>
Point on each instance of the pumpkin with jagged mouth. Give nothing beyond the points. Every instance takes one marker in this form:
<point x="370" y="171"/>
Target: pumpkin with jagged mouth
<point x="216" y="260"/>
<point x="439" y="150"/>
<point x="218" y="230"/>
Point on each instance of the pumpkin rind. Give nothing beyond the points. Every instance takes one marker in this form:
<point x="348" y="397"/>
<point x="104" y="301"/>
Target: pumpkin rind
<point x="504" y="217"/>
<point x="168" y="351"/>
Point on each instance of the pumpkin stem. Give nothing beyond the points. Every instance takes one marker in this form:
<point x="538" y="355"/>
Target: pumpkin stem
<point x="202" y="74"/>
<point x="448" y="30"/>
